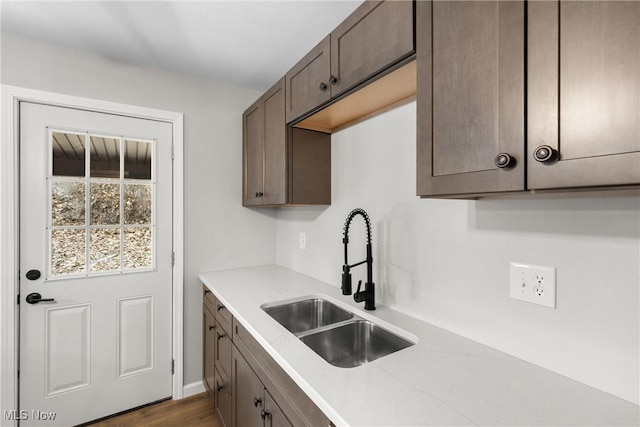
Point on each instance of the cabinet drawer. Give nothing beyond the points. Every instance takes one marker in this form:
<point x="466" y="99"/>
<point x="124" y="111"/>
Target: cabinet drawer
<point x="223" y="353"/>
<point x="223" y="317"/>
<point x="208" y="299"/>
<point x="223" y="398"/>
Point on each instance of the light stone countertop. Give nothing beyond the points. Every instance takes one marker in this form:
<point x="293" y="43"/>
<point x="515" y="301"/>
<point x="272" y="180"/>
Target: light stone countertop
<point x="444" y="379"/>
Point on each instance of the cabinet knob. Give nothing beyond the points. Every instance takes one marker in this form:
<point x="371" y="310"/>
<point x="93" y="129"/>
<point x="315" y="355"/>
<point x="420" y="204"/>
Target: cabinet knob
<point x="264" y="414"/>
<point x="333" y="80"/>
<point x="257" y="401"/>
<point x="212" y="327"/>
<point x="220" y="307"/>
<point x="259" y="194"/>
<point x="219" y="387"/>
<point x="504" y="160"/>
<point x="323" y="87"/>
<point x="545" y="154"/>
<point x="221" y="336"/>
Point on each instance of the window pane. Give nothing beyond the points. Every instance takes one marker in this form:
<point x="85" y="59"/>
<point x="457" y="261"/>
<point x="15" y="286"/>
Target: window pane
<point x="137" y="248"/>
<point x="137" y="160"/>
<point x="105" y="157"/>
<point x="67" y="251"/>
<point x="137" y="204"/>
<point x="104" y="249"/>
<point x="68" y="154"/>
<point x="105" y="204"/>
<point x="67" y="203"/>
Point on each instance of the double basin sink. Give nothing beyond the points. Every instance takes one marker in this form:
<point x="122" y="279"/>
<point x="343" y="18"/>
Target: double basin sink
<point x="337" y="335"/>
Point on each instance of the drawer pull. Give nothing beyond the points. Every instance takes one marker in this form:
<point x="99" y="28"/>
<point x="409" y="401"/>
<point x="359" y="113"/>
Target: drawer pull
<point x="257" y="401"/>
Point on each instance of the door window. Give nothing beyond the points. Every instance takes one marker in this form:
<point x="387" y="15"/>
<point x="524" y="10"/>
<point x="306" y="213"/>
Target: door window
<point x="101" y="202"/>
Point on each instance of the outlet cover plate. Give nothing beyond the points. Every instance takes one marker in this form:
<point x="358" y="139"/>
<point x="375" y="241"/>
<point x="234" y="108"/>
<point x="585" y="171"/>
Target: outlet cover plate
<point x="533" y="283"/>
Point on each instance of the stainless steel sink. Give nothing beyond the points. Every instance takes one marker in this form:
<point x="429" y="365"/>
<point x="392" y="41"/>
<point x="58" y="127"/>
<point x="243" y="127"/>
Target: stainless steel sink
<point x="339" y="336"/>
<point x="309" y="314"/>
<point x="354" y="343"/>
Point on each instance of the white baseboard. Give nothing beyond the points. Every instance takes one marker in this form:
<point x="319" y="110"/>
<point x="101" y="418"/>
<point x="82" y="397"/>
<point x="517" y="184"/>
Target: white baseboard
<point x="193" y="388"/>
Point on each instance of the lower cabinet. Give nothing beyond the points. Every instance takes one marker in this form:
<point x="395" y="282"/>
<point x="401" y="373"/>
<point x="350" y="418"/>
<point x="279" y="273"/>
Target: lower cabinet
<point x="254" y="406"/>
<point x="208" y="350"/>
<point x="223" y="398"/>
<point x="248" y="388"/>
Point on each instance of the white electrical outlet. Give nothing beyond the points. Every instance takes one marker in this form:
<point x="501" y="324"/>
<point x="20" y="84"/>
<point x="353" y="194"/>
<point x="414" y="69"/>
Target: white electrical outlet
<point x="533" y="283"/>
<point x="303" y="240"/>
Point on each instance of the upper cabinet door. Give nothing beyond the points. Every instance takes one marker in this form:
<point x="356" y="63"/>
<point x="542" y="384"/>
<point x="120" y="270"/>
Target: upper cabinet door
<point x="275" y="146"/>
<point x="253" y="136"/>
<point x="375" y="36"/>
<point x="584" y="93"/>
<point x="471" y="89"/>
<point x="307" y="83"/>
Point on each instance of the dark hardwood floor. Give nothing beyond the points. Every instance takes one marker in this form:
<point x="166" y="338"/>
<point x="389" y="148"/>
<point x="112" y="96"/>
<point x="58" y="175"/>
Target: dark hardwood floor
<point x="194" y="411"/>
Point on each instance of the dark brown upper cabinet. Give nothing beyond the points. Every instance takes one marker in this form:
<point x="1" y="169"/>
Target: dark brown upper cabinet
<point x="265" y="148"/>
<point x="281" y="165"/>
<point x="583" y="94"/>
<point x="470" y="97"/>
<point x="375" y="37"/>
<point x="308" y="81"/>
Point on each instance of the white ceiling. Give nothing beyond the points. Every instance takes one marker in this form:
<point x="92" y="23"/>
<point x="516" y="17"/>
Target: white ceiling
<point x="245" y="43"/>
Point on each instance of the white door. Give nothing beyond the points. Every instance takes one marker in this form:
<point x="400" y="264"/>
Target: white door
<point x="95" y="237"/>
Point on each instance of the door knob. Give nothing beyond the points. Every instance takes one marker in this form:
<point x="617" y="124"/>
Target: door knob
<point x="545" y="154"/>
<point x="34" y="298"/>
<point x="504" y="160"/>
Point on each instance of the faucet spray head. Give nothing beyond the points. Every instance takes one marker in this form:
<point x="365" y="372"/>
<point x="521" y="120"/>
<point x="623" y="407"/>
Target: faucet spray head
<point x="346" y="280"/>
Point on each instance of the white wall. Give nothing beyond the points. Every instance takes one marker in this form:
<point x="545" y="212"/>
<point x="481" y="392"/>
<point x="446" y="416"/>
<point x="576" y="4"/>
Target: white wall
<point x="447" y="261"/>
<point x="219" y="232"/>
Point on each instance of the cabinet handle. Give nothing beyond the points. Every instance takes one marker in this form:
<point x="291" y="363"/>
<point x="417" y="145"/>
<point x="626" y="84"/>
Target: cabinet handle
<point x="264" y="414"/>
<point x="257" y="401"/>
<point x="207" y="291"/>
<point x="219" y="387"/>
<point x="323" y="87"/>
<point x="333" y="80"/>
<point x="504" y="160"/>
<point x="220" y="307"/>
<point x="221" y="336"/>
<point x="257" y="194"/>
<point x="212" y="327"/>
<point x="545" y="154"/>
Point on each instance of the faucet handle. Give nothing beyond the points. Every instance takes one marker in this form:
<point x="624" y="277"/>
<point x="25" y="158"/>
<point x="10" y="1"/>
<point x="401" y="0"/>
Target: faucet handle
<point x="356" y="296"/>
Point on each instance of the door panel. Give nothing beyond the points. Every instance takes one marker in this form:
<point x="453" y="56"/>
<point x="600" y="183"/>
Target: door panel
<point x="68" y="348"/>
<point x="136" y="324"/>
<point x="95" y="221"/>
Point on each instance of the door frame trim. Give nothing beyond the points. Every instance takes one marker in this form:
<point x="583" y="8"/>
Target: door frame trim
<point x="9" y="222"/>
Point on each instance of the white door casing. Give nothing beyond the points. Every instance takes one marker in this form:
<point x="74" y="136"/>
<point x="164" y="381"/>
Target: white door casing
<point x="11" y="96"/>
<point x="95" y="221"/>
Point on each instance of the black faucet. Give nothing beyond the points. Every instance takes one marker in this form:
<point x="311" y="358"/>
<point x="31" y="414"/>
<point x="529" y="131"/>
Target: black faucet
<point x="368" y="295"/>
